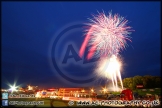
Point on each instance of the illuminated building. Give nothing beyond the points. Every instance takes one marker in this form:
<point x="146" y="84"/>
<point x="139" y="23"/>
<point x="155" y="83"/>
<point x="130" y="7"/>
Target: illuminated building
<point x="32" y="88"/>
<point x="46" y="93"/>
<point x="73" y="92"/>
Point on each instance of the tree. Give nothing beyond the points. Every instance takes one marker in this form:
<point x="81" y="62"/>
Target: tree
<point x="128" y="83"/>
<point x="147" y="81"/>
<point x="137" y="80"/>
<point x="157" y="82"/>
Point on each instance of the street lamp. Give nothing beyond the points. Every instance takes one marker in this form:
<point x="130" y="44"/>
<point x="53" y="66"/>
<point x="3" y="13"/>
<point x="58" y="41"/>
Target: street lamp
<point x="104" y="90"/>
<point x="92" y="90"/>
<point x="30" y="87"/>
<point x="83" y="92"/>
<point x="13" y="88"/>
<point x="63" y="92"/>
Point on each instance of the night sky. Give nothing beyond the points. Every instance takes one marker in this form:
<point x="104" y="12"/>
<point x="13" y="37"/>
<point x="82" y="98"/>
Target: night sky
<point x="29" y="29"/>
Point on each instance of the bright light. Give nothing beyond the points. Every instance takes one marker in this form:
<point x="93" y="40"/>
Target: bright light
<point x="83" y="90"/>
<point x="30" y="87"/>
<point x="38" y="95"/>
<point x="13" y="88"/>
<point x="92" y="90"/>
<point x="106" y="36"/>
<point x="110" y="68"/>
<point x="104" y="89"/>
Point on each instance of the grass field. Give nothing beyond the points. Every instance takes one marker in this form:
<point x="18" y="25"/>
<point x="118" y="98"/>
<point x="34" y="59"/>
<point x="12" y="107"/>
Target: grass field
<point x="147" y="91"/>
<point x="141" y="92"/>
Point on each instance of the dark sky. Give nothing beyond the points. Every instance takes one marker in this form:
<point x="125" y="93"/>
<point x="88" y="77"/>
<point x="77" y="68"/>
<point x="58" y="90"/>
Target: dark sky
<point x="29" y="28"/>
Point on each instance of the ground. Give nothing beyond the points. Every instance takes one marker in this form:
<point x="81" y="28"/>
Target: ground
<point x="62" y="103"/>
<point x="49" y="103"/>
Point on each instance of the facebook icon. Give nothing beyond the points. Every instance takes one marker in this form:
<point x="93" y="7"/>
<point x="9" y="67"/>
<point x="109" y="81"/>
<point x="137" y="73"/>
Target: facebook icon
<point x="4" y="102"/>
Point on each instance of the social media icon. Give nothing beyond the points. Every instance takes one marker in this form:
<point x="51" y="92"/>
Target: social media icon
<point x="4" y="102"/>
<point x="4" y="95"/>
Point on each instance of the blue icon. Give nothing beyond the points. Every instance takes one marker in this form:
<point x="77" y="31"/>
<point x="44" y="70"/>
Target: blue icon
<point x="4" y="95"/>
<point x="4" y="102"/>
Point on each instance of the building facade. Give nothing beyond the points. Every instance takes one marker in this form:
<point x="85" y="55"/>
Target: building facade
<point x="74" y="92"/>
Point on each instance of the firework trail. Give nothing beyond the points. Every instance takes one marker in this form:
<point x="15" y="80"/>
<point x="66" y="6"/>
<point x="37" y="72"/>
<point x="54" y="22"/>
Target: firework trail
<point x="106" y="37"/>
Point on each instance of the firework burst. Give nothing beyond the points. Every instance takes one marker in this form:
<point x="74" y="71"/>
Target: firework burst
<point x="106" y="37"/>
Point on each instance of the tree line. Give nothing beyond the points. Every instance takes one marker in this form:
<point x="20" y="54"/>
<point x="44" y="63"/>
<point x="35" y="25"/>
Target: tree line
<point x="146" y="81"/>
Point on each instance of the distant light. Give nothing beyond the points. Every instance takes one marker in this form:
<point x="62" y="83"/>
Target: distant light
<point x="13" y="88"/>
<point x="83" y="90"/>
<point x="38" y="95"/>
<point x="92" y="90"/>
<point x="104" y="89"/>
<point x="30" y="87"/>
